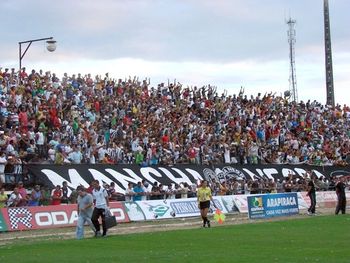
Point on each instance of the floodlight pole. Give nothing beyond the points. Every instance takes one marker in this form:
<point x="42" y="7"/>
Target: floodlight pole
<point x="21" y="55"/>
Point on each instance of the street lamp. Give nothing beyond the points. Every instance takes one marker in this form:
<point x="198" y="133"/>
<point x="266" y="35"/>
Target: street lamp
<point x="51" y="47"/>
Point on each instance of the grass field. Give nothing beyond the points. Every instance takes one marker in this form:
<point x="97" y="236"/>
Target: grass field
<point x="313" y="239"/>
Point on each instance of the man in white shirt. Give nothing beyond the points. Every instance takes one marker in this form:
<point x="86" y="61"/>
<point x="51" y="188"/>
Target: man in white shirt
<point x="75" y="156"/>
<point x="15" y="198"/>
<point x="3" y="162"/>
<point x="40" y="141"/>
<point x="100" y="197"/>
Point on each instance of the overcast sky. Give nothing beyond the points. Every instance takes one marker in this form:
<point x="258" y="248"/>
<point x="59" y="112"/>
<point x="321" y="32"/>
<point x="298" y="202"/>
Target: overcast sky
<point x="225" y="43"/>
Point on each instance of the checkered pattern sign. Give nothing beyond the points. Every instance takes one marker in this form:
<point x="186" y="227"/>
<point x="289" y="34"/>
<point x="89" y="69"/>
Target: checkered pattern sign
<point x="20" y="215"/>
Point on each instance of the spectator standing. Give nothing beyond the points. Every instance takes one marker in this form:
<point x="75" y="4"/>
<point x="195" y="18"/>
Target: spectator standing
<point x="129" y="193"/>
<point x="23" y="191"/>
<point x="170" y="192"/>
<point x="113" y="194"/>
<point x="340" y="190"/>
<point x="56" y="195"/>
<point x="155" y="192"/>
<point x="40" y="142"/>
<point x="146" y="187"/>
<point x="35" y="196"/>
<point x="65" y="193"/>
<point x="73" y="196"/>
<point x="3" y="162"/>
<point x="311" y="193"/>
<point x="15" y="198"/>
<point x="75" y="156"/>
<point x="45" y="196"/>
<point x="138" y="192"/>
<point x="3" y="197"/>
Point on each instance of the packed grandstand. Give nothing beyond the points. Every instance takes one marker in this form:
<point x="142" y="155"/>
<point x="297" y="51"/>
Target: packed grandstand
<point x="83" y="119"/>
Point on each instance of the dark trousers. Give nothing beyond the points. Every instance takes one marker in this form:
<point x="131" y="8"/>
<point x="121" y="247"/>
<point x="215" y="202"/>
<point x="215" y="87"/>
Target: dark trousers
<point x="99" y="212"/>
<point x="312" y="207"/>
<point x="341" y="205"/>
<point x="41" y="151"/>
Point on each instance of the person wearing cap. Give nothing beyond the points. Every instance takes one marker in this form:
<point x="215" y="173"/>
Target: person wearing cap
<point x="85" y="207"/>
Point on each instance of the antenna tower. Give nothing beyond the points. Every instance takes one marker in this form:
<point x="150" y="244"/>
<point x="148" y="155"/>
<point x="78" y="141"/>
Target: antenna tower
<point x="328" y="55"/>
<point x="293" y="91"/>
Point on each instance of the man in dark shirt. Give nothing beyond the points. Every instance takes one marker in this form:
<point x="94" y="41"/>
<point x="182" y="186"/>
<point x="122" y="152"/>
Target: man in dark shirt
<point x="340" y="190"/>
<point x="311" y="192"/>
<point x="65" y="193"/>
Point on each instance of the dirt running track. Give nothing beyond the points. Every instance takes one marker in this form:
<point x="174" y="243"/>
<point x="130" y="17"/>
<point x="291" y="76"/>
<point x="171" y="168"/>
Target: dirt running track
<point x="140" y="227"/>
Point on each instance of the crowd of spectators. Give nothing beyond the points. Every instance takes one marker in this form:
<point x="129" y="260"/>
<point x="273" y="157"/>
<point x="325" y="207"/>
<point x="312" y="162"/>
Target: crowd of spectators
<point x="84" y="119"/>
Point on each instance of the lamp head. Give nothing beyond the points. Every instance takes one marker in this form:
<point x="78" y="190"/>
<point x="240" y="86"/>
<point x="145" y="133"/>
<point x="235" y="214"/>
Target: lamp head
<point x="51" y="45"/>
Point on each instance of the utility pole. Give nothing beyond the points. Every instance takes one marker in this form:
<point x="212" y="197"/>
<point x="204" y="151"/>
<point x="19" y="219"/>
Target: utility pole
<point x="293" y="91"/>
<point x="328" y="55"/>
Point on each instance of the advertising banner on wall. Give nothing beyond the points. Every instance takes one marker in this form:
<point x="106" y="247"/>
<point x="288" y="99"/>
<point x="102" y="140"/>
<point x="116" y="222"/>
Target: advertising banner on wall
<point x="165" y="209"/>
<point x="41" y="217"/>
<point x="3" y="225"/>
<point x="272" y="205"/>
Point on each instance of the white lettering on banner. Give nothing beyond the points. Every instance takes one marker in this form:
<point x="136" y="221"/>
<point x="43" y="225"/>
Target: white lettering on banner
<point x="59" y="218"/>
<point x="124" y="180"/>
<point x="55" y="218"/>
<point x="286" y="172"/>
<point x="118" y="213"/>
<point x="254" y="209"/>
<point x="270" y="212"/>
<point x="184" y="207"/>
<point x="252" y="175"/>
<point x="74" y="178"/>
<point x="194" y="173"/>
<point x="183" y="177"/>
<point x="146" y="171"/>
<point x="317" y="173"/>
<point x="281" y="201"/>
<point x="300" y="171"/>
<point x="43" y="219"/>
<point x="261" y="173"/>
<point x="100" y="176"/>
<point x="19" y="215"/>
<point x="269" y="172"/>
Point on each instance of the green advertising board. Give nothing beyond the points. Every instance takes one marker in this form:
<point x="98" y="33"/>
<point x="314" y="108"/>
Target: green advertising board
<point x="3" y="226"/>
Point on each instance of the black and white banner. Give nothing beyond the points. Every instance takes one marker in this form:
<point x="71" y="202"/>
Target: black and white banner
<point x="75" y="175"/>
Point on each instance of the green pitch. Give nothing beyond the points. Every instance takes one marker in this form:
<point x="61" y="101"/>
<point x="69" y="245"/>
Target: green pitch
<point x="313" y="239"/>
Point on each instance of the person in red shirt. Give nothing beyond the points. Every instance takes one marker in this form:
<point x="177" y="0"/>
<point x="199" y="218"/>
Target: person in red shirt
<point x="23" y="120"/>
<point x="165" y="138"/>
<point x="23" y="74"/>
<point x="192" y="154"/>
<point x="24" y="196"/>
<point x="56" y="195"/>
<point x="90" y="188"/>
